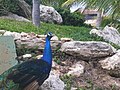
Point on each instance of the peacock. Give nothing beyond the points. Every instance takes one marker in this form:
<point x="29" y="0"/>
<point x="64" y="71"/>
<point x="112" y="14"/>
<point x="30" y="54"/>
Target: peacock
<point x="29" y="75"/>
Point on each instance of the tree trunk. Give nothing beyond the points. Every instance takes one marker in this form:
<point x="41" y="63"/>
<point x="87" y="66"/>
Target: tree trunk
<point x="36" y="13"/>
<point x="99" y="19"/>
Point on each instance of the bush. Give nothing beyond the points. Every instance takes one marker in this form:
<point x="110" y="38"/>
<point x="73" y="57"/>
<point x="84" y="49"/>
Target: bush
<point x="110" y="21"/>
<point x="8" y="6"/>
<point x="74" y="19"/>
<point x="29" y="2"/>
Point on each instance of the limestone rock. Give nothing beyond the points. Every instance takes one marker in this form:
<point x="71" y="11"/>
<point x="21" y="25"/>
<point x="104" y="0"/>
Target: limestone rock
<point x="76" y="70"/>
<point x="8" y="33"/>
<point x="112" y="64"/>
<point x="109" y="34"/>
<point x="53" y="83"/>
<point x="27" y="56"/>
<point x="66" y="39"/>
<point x="15" y="17"/>
<point x="88" y="49"/>
<point x="2" y="32"/>
<point x="49" y="14"/>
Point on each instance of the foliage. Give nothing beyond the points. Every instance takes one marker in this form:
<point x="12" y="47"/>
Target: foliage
<point x="54" y="3"/>
<point x="109" y="6"/>
<point x="73" y="19"/>
<point x="110" y="21"/>
<point x="68" y="80"/>
<point x="8" y="6"/>
<point x="77" y="33"/>
<point x="29" y="2"/>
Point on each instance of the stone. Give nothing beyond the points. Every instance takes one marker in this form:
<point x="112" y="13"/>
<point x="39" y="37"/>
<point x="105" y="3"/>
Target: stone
<point x="2" y="32"/>
<point x="66" y="39"/>
<point x="23" y="34"/>
<point x="53" y="83"/>
<point x="88" y="49"/>
<point x="49" y="14"/>
<point x="15" y="17"/>
<point x="27" y="56"/>
<point x="54" y="38"/>
<point x="8" y="33"/>
<point x="39" y="56"/>
<point x="25" y="9"/>
<point x="41" y="36"/>
<point x="76" y="70"/>
<point x="7" y="53"/>
<point x="109" y="34"/>
<point x="112" y="64"/>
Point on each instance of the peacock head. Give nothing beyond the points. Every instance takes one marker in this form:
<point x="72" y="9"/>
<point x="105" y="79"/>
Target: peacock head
<point x="49" y="35"/>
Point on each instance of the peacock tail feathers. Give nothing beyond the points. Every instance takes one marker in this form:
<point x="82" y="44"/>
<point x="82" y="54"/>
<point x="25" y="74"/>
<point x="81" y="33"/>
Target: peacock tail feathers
<point x="6" y="84"/>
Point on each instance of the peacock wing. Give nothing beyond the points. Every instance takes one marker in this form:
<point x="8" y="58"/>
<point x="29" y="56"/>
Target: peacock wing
<point x="29" y="72"/>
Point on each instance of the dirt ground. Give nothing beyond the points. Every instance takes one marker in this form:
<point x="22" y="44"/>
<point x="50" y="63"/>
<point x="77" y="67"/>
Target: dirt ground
<point x="93" y="78"/>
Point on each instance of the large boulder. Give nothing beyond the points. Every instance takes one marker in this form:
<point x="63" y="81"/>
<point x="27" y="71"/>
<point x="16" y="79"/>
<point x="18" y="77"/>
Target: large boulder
<point x="49" y="14"/>
<point x="15" y="17"/>
<point x="25" y="9"/>
<point x="112" y="64"/>
<point x="88" y="49"/>
<point x="109" y="34"/>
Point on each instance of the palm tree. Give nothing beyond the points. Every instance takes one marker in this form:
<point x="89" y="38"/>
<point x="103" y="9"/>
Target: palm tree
<point x="36" y="13"/>
<point x="111" y="7"/>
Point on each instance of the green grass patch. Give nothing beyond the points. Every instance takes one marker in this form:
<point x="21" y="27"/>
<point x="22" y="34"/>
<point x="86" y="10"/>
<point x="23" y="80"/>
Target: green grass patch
<point x="77" y="33"/>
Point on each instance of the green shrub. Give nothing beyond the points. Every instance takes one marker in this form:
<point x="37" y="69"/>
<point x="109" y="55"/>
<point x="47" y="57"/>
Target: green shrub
<point x="110" y="21"/>
<point x="8" y="6"/>
<point x="29" y="2"/>
<point x="74" y="19"/>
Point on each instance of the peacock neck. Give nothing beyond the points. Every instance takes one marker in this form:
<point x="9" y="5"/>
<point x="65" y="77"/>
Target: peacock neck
<point x="47" y="54"/>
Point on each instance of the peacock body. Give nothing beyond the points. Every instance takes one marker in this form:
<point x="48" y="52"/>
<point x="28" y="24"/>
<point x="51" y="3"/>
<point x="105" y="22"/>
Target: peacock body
<point x="28" y="75"/>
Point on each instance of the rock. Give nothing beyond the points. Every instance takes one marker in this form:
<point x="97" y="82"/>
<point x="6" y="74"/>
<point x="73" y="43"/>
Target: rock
<point x="8" y="33"/>
<point x="41" y="36"/>
<point x="15" y="17"/>
<point x="76" y="70"/>
<point x="27" y="56"/>
<point x="96" y="32"/>
<point x="53" y="83"/>
<point x="112" y="64"/>
<point x="88" y="50"/>
<point x="66" y="39"/>
<point x="54" y="38"/>
<point x="49" y="14"/>
<point x="39" y="56"/>
<point x="25" y="9"/>
<point x="109" y="34"/>
<point x="23" y="34"/>
<point x="2" y="32"/>
<point x="17" y="36"/>
<point x="7" y="53"/>
<point x="54" y="64"/>
<point x="73" y="88"/>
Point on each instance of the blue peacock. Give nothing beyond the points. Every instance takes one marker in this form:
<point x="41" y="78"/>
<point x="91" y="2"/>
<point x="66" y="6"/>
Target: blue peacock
<point x="29" y="75"/>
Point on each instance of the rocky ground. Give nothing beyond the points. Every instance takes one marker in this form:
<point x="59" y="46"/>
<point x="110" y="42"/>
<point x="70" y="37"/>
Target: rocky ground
<point x="77" y="65"/>
<point x="92" y="78"/>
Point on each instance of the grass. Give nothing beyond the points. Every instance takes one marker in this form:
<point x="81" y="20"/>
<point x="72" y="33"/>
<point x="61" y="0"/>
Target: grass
<point x="77" y="33"/>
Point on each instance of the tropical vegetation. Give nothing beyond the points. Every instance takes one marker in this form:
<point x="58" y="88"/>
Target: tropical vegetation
<point x="110" y="7"/>
<point x="106" y="7"/>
